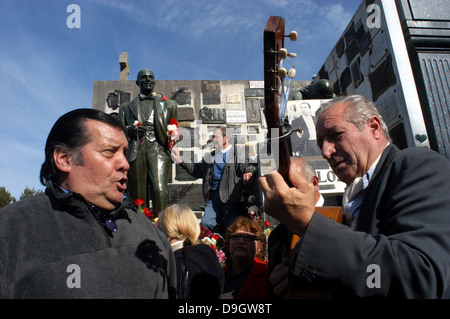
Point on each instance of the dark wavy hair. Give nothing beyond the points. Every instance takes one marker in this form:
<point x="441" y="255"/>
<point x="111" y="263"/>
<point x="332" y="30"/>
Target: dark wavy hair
<point x="69" y="134"/>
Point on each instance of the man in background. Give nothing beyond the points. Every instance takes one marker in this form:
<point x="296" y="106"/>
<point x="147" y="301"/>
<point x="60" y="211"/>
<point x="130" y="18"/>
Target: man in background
<point x="223" y="181"/>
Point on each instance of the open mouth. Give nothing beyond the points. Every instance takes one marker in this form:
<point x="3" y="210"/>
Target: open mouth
<point x="122" y="184"/>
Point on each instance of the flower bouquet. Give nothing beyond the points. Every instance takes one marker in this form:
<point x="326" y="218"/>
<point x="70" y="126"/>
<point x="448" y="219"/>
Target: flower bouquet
<point x="140" y="205"/>
<point x="172" y="133"/>
<point x="215" y="241"/>
<point x="138" y="124"/>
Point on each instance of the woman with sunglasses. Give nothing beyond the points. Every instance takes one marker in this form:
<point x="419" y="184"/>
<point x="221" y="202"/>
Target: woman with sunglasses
<point x="246" y="277"/>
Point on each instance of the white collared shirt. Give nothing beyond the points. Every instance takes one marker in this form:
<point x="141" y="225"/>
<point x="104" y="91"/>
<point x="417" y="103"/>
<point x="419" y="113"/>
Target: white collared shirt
<point x="354" y="194"/>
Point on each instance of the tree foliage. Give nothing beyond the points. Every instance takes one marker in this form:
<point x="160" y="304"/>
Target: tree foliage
<point x="5" y="197"/>
<point x="28" y="192"/>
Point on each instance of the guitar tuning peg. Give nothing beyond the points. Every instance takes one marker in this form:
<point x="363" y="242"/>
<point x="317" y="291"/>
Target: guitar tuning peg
<point x="282" y="53"/>
<point x="292" y="36"/>
<point x="282" y="72"/>
<point x="292" y="55"/>
<point x="291" y="73"/>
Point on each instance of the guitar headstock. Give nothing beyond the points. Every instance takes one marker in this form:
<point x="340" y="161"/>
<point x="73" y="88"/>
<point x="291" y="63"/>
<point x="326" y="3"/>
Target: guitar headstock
<point x="273" y="42"/>
<point x="274" y="74"/>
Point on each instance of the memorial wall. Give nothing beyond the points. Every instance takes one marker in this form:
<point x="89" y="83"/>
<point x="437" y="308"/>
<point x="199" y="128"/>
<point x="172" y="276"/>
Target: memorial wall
<point x="202" y="107"/>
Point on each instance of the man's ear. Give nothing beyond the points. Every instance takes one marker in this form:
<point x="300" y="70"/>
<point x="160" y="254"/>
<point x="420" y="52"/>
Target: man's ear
<point x="63" y="160"/>
<point x="375" y="126"/>
<point x="315" y="181"/>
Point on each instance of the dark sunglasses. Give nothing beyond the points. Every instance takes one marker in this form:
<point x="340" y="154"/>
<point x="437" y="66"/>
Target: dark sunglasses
<point x="247" y="238"/>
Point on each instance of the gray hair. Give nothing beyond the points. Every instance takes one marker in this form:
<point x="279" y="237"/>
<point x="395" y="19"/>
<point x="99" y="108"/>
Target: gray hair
<point x="359" y="109"/>
<point x="307" y="169"/>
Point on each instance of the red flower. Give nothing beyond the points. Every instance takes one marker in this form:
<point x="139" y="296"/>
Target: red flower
<point x="204" y="232"/>
<point x="173" y="122"/>
<point x="164" y="98"/>
<point x="215" y="237"/>
<point x="267" y="223"/>
<point x="138" y="202"/>
<point x="148" y="213"/>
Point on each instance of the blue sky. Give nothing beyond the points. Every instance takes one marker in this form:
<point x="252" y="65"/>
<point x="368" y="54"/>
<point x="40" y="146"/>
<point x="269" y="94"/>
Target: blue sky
<point x="48" y="69"/>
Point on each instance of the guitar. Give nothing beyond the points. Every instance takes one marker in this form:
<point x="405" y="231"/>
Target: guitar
<point x="274" y="74"/>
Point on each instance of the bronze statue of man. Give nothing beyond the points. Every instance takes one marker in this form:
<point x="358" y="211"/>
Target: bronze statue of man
<point x="146" y="118"/>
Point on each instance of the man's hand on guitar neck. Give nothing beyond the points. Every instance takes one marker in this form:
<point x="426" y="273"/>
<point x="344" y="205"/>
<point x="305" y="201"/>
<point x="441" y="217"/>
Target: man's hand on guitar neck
<point x="292" y="206"/>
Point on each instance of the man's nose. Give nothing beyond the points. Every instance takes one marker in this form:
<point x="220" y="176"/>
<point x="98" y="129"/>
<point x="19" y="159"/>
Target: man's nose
<point x="123" y="163"/>
<point x="328" y="149"/>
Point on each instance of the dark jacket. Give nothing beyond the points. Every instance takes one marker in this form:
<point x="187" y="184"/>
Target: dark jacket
<point x="231" y="185"/>
<point x="403" y="228"/>
<point x="54" y="240"/>
<point x="205" y="278"/>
